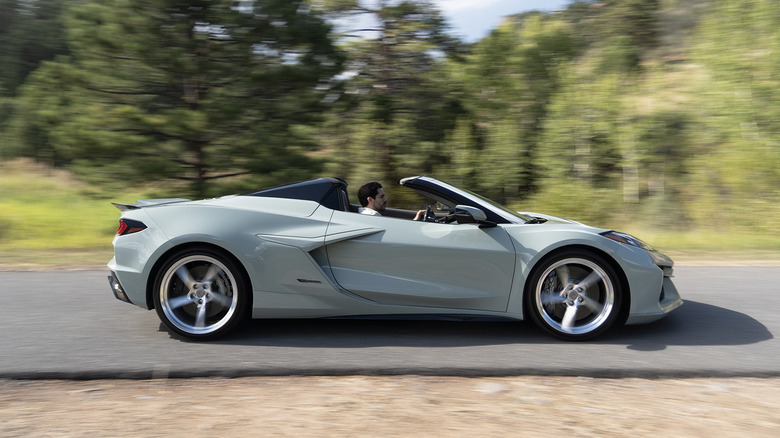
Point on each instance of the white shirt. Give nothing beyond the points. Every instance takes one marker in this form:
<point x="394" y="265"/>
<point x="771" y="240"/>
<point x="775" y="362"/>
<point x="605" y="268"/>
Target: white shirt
<point x="368" y="211"/>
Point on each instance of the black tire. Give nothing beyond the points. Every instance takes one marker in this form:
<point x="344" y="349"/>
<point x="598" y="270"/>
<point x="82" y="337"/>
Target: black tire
<point x="574" y="295"/>
<point x="200" y="294"/>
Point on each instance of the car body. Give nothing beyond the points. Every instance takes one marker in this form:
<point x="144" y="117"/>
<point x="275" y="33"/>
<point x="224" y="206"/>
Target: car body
<point x="303" y="251"/>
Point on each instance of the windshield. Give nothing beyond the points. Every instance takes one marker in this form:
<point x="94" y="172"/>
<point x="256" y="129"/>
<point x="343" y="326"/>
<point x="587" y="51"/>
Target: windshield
<point x="511" y="216"/>
<point x="507" y="214"/>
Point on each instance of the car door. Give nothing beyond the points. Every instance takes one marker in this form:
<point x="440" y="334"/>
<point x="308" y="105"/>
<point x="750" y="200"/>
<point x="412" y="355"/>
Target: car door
<point x="404" y="262"/>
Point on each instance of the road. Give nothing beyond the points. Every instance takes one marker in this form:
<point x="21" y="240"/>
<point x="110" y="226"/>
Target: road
<point x="68" y="325"/>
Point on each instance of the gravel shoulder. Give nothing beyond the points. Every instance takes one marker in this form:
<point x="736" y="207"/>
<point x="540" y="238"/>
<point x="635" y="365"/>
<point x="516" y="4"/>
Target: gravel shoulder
<point x="398" y="406"/>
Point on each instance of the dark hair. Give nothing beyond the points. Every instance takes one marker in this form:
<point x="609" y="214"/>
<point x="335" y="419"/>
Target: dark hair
<point x="369" y="190"/>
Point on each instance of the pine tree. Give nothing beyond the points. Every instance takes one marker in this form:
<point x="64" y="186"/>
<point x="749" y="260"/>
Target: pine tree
<point x="191" y="90"/>
<point x="394" y="109"/>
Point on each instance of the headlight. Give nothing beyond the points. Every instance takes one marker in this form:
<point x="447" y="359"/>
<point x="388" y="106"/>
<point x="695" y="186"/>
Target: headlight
<point x="628" y="239"/>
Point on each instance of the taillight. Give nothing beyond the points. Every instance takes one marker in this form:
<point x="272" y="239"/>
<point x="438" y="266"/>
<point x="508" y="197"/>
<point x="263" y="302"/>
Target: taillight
<point x="129" y="226"/>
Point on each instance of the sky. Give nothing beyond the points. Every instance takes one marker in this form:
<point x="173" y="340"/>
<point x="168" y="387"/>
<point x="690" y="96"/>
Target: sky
<point x="472" y="20"/>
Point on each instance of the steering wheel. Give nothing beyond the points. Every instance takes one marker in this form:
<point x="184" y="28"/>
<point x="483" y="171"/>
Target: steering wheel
<point x="429" y="216"/>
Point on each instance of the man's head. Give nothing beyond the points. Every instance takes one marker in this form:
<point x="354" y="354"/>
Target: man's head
<point x="372" y="195"/>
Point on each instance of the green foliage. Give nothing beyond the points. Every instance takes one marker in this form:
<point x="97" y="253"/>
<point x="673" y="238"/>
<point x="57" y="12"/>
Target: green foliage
<point x="159" y="89"/>
<point x="658" y="115"/>
<point x="507" y="83"/>
<point x="738" y="171"/>
<point x="31" y="31"/>
<point x="48" y="215"/>
<point x="396" y="108"/>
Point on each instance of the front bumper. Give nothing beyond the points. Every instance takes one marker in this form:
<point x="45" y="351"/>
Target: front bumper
<point x="649" y="273"/>
<point x="668" y="300"/>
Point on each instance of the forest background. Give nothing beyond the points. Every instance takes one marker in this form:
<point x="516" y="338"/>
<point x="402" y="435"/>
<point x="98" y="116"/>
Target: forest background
<point x="657" y="117"/>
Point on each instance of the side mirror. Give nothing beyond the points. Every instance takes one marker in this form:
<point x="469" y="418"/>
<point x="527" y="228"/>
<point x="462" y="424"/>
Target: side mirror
<point x="469" y="214"/>
<point x="466" y="214"/>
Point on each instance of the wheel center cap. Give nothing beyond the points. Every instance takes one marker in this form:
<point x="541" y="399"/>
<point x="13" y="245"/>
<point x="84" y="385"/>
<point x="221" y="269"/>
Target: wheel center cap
<point x="201" y="290"/>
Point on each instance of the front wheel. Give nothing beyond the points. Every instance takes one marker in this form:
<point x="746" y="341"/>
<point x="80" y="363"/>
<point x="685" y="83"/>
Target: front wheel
<point x="200" y="294"/>
<point x="574" y="295"/>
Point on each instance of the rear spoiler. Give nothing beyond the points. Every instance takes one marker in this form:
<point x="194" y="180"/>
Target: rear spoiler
<point x="147" y="203"/>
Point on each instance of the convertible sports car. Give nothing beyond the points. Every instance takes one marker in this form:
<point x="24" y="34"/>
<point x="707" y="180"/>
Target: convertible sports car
<point x="303" y="251"/>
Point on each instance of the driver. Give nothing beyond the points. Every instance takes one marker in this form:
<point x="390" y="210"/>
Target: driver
<point x="373" y="200"/>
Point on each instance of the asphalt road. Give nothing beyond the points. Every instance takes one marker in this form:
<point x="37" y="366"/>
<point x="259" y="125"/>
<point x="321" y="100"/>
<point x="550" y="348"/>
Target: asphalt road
<point x="68" y="325"/>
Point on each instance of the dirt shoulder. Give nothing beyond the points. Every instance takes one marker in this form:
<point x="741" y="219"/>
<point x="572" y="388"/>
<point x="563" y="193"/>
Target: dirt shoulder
<point x="398" y="406"/>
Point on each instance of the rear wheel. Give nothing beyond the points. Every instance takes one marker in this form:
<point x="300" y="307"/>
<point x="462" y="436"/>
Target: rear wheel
<point x="200" y="294"/>
<point x="574" y="295"/>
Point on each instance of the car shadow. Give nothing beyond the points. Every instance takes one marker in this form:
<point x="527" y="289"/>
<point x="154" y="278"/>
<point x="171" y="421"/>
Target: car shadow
<point x="694" y="324"/>
<point x="372" y="332"/>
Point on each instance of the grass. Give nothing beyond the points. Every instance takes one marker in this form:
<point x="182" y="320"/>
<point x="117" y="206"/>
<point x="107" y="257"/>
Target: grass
<point x="49" y="218"/>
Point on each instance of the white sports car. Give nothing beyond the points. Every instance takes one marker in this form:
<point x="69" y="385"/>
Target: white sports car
<point x="302" y="251"/>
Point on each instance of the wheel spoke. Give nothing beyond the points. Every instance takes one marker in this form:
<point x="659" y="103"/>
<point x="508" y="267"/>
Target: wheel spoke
<point x="563" y="275"/>
<point x="211" y="273"/>
<point x="222" y="299"/>
<point x="568" y="317"/>
<point x="200" y="318"/>
<point x="175" y="303"/>
<point x="592" y="278"/>
<point x="592" y="304"/>
<point x="184" y="275"/>
<point x="552" y="298"/>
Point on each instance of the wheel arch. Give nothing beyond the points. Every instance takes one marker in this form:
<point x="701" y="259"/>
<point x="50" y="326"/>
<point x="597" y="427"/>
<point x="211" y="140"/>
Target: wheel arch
<point x="193" y="245"/>
<point x="624" y="284"/>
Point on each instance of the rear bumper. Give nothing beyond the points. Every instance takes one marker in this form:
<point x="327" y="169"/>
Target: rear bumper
<point x="117" y="288"/>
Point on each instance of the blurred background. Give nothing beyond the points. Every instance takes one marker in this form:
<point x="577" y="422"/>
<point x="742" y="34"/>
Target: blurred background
<point x="656" y="117"/>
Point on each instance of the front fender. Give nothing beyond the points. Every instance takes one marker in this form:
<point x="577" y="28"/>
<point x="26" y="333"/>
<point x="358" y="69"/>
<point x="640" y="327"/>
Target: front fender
<point x="639" y="273"/>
